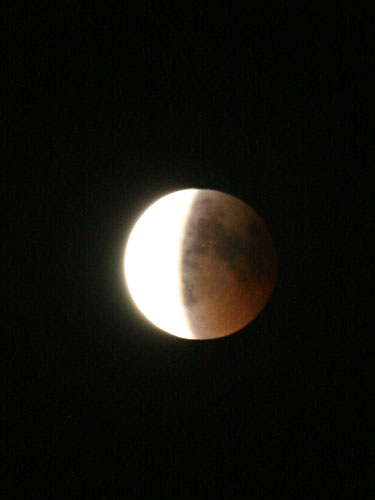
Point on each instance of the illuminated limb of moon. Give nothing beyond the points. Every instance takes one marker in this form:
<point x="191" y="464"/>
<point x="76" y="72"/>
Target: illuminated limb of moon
<point x="152" y="262"/>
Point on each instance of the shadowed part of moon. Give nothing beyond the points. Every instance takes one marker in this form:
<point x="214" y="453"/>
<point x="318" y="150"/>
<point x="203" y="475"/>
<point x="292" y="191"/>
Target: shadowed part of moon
<point x="228" y="265"/>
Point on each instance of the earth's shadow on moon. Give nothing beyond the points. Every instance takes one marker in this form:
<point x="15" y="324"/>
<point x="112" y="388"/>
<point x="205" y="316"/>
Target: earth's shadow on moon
<point x="228" y="265"/>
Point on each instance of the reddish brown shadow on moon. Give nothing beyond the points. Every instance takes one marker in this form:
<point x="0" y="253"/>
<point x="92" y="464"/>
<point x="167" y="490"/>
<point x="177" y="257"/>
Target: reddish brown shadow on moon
<point x="228" y="265"/>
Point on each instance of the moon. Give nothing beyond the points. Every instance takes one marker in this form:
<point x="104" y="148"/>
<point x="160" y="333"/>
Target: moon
<point x="200" y="264"/>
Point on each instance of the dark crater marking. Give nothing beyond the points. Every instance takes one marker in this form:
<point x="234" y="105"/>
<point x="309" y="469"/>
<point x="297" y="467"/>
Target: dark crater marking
<point x="207" y="234"/>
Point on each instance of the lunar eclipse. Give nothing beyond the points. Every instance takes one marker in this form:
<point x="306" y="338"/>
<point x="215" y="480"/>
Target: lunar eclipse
<point x="200" y="264"/>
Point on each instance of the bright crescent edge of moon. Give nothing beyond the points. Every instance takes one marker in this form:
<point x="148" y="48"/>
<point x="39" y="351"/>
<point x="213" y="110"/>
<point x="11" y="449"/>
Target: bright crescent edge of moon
<point x="152" y="262"/>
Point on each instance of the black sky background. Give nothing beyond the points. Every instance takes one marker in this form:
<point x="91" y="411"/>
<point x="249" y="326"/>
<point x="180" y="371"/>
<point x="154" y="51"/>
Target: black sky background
<point x="109" y="108"/>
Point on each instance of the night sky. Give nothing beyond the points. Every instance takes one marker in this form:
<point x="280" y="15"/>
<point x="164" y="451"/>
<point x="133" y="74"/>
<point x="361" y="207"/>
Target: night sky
<point x="109" y="108"/>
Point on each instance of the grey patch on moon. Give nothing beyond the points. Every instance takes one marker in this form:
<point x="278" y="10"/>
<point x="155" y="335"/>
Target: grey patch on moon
<point x="225" y="247"/>
<point x="206" y="235"/>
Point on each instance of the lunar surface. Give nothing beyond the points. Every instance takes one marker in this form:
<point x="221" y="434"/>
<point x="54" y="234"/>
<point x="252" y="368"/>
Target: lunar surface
<point x="200" y="264"/>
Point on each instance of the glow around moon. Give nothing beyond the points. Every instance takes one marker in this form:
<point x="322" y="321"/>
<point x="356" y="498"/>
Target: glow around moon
<point x="199" y="264"/>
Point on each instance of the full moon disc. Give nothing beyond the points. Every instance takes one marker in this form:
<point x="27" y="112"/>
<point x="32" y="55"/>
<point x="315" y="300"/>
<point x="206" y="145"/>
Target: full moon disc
<point x="200" y="264"/>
